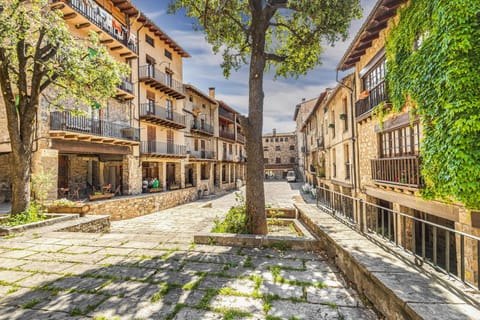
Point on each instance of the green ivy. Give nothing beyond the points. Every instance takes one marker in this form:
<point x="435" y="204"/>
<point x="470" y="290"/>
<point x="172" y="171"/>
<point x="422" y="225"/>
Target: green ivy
<point x="440" y="78"/>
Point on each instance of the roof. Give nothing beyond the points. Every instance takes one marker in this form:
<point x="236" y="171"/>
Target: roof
<point x="277" y="134"/>
<point x="227" y="107"/>
<point x="200" y="93"/>
<point x="381" y="13"/>
<point x="127" y="7"/>
<point x="317" y="104"/>
<point x="298" y="106"/>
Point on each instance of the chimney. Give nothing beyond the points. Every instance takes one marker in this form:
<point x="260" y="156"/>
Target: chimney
<point x="274" y="132"/>
<point x="303" y="99"/>
<point x="211" y="92"/>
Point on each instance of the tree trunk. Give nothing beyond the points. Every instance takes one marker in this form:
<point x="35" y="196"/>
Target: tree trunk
<point x="20" y="169"/>
<point x="255" y="193"/>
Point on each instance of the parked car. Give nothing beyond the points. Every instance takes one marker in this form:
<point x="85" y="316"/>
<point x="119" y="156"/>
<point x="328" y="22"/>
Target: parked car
<point x="291" y="177"/>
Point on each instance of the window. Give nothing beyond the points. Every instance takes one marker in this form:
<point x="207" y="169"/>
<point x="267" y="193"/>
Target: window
<point x="168" y="54"/>
<point x="278" y="160"/>
<point x="204" y="172"/>
<point x="265" y="160"/>
<point x="332" y="122"/>
<point x="281" y="139"/>
<point x="286" y="139"/>
<point x="168" y="79"/>
<point x="292" y="147"/>
<point x="277" y="148"/>
<point x="334" y="163"/>
<point x="346" y="156"/>
<point x="150" y="102"/>
<point x="375" y="76"/>
<point x="190" y="98"/>
<point x="266" y="140"/>
<point x="169" y="109"/>
<point x="265" y="148"/>
<point x="230" y="150"/>
<point x="292" y="160"/>
<point x="149" y="40"/>
<point x="344" y="115"/>
<point x="150" y="66"/>
<point x="404" y="141"/>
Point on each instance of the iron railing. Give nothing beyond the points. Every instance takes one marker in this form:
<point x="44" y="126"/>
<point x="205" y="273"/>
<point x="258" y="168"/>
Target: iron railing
<point x="403" y="171"/>
<point x="227" y="134"/>
<point x="126" y="86"/>
<point x="153" y="109"/>
<point x="226" y="114"/>
<point x="202" y="126"/>
<point x="427" y="242"/>
<point x="149" y="71"/>
<point x="376" y="96"/>
<point x="203" y="154"/>
<point x="66" y="121"/>
<point x="162" y="148"/>
<point x="240" y="138"/>
<point x="104" y="21"/>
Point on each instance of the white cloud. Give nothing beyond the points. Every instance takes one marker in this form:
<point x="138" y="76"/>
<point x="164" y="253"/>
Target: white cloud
<point x="155" y="14"/>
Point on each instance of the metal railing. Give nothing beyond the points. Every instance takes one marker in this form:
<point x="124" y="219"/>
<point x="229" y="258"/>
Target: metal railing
<point x="321" y="143"/>
<point x="376" y="95"/>
<point x="202" y="126"/>
<point x="203" y="154"/>
<point x="442" y="247"/>
<point x="65" y="121"/>
<point x="103" y="20"/>
<point x="149" y="71"/>
<point x="227" y="134"/>
<point x="403" y="171"/>
<point x="126" y="86"/>
<point x="240" y="138"/>
<point x="226" y="114"/>
<point x="160" y="148"/>
<point x="153" y="109"/>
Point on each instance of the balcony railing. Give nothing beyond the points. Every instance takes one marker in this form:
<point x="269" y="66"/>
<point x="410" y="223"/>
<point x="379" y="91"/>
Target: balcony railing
<point x="202" y="126"/>
<point x="321" y="143"/>
<point x="376" y="96"/>
<point x="240" y="138"/>
<point x="226" y="114"/>
<point x="161" y="81"/>
<point x="65" y="121"/>
<point x="161" y="115"/>
<point x="126" y="86"/>
<point x="103" y="20"/>
<point x="227" y="134"/>
<point x="162" y="148"/>
<point x="403" y="171"/>
<point x="203" y="154"/>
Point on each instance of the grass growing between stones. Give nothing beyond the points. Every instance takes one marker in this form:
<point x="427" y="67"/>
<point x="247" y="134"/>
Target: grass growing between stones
<point x="277" y="278"/>
<point x="30" y="304"/>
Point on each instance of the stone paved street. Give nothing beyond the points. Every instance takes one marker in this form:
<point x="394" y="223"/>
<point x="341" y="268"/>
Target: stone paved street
<point x="148" y="268"/>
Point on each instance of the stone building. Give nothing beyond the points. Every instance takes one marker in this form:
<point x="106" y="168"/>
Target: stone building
<point x="302" y="111"/>
<point x="280" y="154"/>
<point x="388" y="155"/>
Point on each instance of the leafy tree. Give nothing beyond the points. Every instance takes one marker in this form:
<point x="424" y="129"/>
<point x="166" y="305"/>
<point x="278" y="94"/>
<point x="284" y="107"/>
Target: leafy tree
<point x="41" y="59"/>
<point x="285" y="35"/>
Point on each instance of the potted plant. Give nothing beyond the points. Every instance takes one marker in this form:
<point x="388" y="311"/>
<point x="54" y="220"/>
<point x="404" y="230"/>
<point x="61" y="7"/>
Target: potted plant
<point x="67" y="206"/>
<point x="343" y="116"/>
<point x="331" y="125"/>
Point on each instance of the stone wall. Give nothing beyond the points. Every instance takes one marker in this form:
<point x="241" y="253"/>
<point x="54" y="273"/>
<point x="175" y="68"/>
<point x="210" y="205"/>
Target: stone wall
<point x="132" y="175"/>
<point x="100" y="224"/>
<point x="131" y="207"/>
<point x="5" y="178"/>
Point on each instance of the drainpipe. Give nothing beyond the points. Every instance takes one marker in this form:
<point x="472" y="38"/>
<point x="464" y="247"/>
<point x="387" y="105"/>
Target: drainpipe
<point x="138" y="89"/>
<point x="354" y="139"/>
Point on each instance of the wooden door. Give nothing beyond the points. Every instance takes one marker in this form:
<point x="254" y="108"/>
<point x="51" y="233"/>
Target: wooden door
<point x="63" y="172"/>
<point x="170" y="145"/>
<point x="151" y="139"/>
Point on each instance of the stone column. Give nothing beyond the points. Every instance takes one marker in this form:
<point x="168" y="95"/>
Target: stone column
<point x="163" y="167"/>
<point x="198" y="173"/>
<point x="182" y="174"/>
<point x="132" y="175"/>
<point x="45" y="162"/>
<point x="211" y="181"/>
<point x="101" y="166"/>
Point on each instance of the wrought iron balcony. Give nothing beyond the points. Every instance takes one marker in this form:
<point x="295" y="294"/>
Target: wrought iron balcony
<point x="202" y="154"/>
<point x="375" y="97"/>
<point x="240" y="138"/>
<point x="125" y="90"/>
<point x="159" y="115"/>
<point x="202" y="127"/>
<point x="83" y="127"/>
<point x="161" y="81"/>
<point x="404" y="171"/>
<point x="101" y="19"/>
<point x="226" y="114"/>
<point x="227" y="134"/>
<point x="157" y="148"/>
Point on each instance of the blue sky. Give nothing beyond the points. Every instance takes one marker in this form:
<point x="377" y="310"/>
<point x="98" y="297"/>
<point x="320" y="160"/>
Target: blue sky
<point x="281" y="96"/>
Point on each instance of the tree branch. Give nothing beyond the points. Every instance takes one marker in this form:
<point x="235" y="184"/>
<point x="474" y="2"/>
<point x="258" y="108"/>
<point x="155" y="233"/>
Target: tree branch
<point x="274" y="57"/>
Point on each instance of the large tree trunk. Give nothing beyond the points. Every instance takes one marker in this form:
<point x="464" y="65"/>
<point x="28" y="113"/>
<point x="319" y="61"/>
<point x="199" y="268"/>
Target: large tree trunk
<point x="20" y="169"/>
<point x="255" y="194"/>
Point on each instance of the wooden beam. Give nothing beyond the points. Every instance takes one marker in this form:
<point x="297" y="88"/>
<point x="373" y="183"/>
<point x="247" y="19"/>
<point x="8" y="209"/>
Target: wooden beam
<point x="83" y="25"/>
<point x="106" y="41"/>
<point x="70" y="16"/>
<point x="116" y="48"/>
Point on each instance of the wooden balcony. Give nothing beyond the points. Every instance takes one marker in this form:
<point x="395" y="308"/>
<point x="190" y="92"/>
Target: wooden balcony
<point x="227" y="134"/>
<point x="64" y="125"/>
<point x="156" y="114"/>
<point x="159" y="149"/>
<point x="125" y="90"/>
<point x="82" y="15"/>
<point x="226" y="114"/>
<point x="201" y="128"/>
<point x="402" y="171"/>
<point x="202" y="154"/>
<point x="375" y="97"/>
<point x="161" y="81"/>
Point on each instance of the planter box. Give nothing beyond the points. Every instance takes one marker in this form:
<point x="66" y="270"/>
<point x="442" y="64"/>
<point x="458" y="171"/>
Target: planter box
<point x="82" y="210"/>
<point x="101" y="196"/>
<point x="174" y="187"/>
<point x="50" y="219"/>
<point x="153" y="190"/>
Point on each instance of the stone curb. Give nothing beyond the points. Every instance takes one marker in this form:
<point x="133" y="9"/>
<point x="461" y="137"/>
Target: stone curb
<point x="396" y="289"/>
<point x="57" y="218"/>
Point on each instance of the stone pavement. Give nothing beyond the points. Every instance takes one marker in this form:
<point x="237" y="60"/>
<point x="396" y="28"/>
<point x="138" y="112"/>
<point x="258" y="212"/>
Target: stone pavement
<point x="147" y="268"/>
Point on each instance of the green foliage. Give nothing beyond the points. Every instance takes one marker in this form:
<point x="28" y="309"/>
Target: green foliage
<point x="64" y="203"/>
<point x="294" y="32"/>
<point x="41" y="183"/>
<point x="439" y="77"/>
<point x="34" y="213"/>
<point x="236" y="219"/>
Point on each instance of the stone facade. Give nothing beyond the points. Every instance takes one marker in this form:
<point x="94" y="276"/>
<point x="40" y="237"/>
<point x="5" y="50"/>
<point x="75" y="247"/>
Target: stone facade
<point x="280" y="153"/>
<point x="130" y="207"/>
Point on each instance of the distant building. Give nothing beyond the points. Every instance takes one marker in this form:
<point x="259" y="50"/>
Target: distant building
<point x="280" y="154"/>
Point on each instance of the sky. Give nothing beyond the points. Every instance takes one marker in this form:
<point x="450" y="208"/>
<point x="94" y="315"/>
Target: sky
<point x="281" y="95"/>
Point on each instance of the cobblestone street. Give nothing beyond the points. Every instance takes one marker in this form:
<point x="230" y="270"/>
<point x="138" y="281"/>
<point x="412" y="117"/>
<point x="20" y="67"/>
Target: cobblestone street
<point x="148" y="268"/>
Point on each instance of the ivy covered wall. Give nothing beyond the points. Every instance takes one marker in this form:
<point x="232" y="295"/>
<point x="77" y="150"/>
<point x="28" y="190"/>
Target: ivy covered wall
<point x="433" y="63"/>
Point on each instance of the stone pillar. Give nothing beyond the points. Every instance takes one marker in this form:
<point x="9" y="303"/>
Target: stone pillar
<point x="45" y="163"/>
<point x="101" y="166"/>
<point x="198" y="173"/>
<point x="470" y="246"/>
<point x="220" y="174"/>
<point x="164" y="175"/>
<point x="182" y="174"/>
<point x="132" y="175"/>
